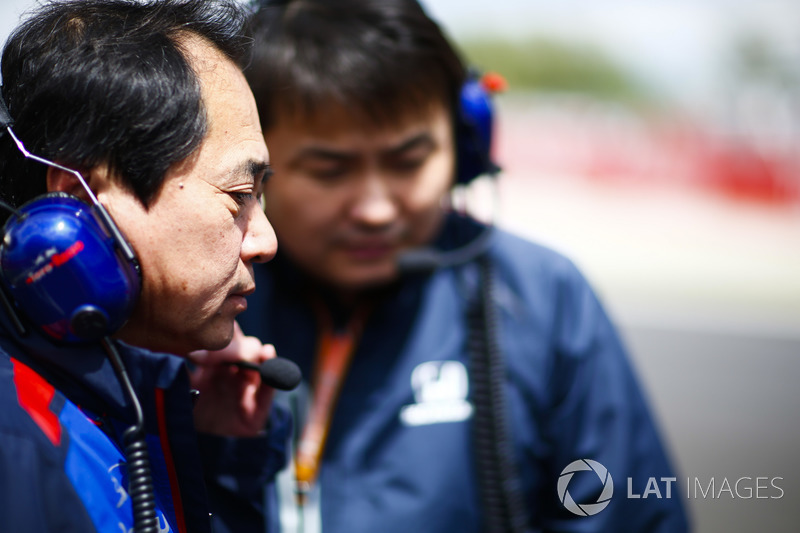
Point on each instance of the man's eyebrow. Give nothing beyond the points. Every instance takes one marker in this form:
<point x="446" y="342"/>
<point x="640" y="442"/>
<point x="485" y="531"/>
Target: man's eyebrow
<point x="262" y="169"/>
<point x="423" y="139"/>
<point x="253" y="168"/>
<point x="319" y="152"/>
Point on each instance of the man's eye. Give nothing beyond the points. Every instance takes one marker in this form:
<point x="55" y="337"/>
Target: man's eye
<point x="242" y="198"/>
<point x="408" y="164"/>
<point x="327" y="173"/>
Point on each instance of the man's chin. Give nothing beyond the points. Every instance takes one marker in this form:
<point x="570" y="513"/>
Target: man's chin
<point x="360" y="280"/>
<point x="217" y="335"/>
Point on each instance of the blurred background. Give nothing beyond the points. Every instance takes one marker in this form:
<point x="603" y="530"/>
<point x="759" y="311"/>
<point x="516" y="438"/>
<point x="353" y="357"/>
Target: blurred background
<point x="657" y="144"/>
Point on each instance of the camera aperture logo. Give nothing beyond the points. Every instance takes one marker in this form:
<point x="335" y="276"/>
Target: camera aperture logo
<point x="585" y="509"/>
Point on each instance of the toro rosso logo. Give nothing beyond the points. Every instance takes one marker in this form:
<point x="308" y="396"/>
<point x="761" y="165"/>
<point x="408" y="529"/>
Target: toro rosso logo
<point x="52" y="260"/>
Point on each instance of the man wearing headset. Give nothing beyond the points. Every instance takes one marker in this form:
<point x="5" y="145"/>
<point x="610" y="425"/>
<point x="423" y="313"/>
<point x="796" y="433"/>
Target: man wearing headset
<point x="447" y="389"/>
<point x="130" y="123"/>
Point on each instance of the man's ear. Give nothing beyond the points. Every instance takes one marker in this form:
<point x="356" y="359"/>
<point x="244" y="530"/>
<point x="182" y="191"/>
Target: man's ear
<point x="62" y="181"/>
<point x="59" y="180"/>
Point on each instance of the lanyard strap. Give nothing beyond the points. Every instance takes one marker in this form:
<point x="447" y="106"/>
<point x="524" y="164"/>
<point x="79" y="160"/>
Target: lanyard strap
<point x="334" y="353"/>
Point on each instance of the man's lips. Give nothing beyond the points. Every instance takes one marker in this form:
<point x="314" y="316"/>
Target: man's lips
<point x="239" y="296"/>
<point x="368" y="250"/>
<point x="244" y="290"/>
<point x="239" y="302"/>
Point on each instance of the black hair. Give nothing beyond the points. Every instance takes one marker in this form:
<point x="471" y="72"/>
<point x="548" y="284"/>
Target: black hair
<point x="381" y="58"/>
<point x="92" y="82"/>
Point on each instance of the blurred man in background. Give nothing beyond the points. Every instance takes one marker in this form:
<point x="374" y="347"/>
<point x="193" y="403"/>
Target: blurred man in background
<point x="459" y="378"/>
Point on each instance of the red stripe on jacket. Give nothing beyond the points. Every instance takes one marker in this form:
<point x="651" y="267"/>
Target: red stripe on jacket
<point x="167" y="451"/>
<point x="34" y="395"/>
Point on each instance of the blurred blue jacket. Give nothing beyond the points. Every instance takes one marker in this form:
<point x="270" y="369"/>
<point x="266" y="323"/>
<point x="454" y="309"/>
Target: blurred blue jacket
<point x="399" y="455"/>
<point x="62" y="466"/>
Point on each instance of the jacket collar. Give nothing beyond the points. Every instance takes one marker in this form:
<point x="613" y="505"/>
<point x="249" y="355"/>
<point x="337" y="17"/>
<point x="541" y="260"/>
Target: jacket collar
<point x="83" y="372"/>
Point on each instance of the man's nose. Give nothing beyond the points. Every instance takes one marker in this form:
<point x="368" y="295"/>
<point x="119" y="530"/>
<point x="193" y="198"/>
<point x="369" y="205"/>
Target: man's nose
<point x="259" y="244"/>
<point x="374" y="205"/>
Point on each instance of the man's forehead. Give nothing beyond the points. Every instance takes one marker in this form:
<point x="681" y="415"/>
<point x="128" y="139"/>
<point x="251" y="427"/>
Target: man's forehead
<point x="328" y="134"/>
<point x="201" y="53"/>
<point x="334" y="119"/>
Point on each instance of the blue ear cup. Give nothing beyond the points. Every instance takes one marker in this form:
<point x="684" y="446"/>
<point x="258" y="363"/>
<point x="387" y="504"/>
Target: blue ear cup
<point x="65" y="271"/>
<point x="474" y="128"/>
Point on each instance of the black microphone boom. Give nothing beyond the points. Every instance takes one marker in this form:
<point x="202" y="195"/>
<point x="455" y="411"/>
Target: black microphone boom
<point x="278" y="373"/>
<point x="426" y="259"/>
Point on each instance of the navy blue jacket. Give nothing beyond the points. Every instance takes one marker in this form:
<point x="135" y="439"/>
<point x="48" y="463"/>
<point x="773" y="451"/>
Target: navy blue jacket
<point x="62" y="466"/>
<point x="400" y="455"/>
